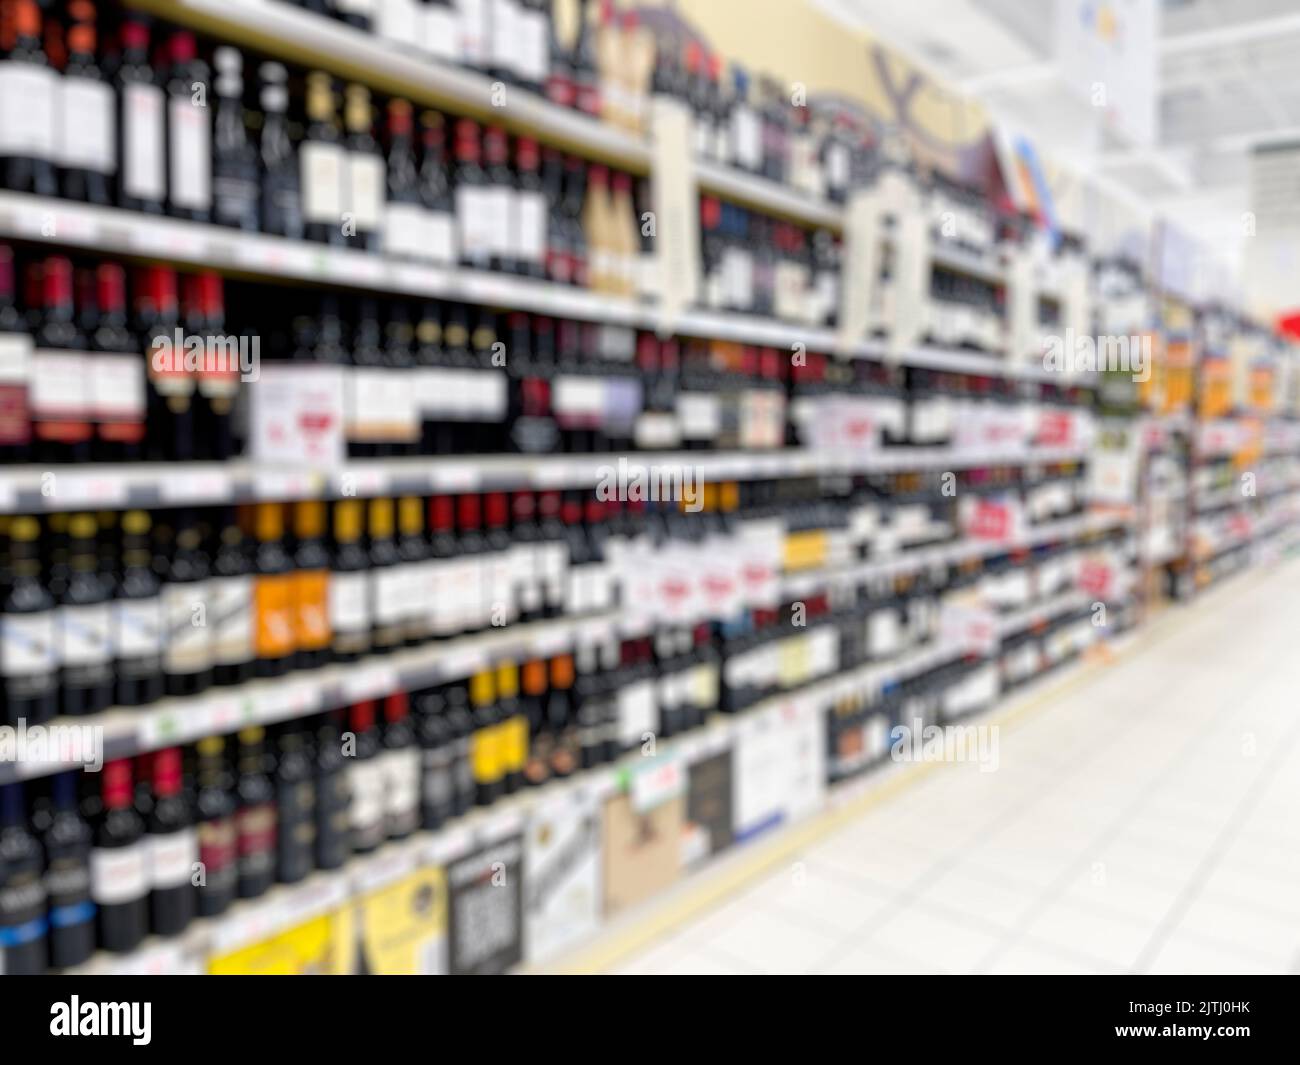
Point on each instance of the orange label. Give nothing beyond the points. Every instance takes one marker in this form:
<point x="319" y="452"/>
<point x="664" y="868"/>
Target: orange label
<point x="311" y="609"/>
<point x="273" y="609"/>
<point x="1216" y="388"/>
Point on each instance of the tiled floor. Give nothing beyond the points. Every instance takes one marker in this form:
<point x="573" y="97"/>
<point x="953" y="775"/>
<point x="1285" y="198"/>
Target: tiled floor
<point x="1147" y="820"/>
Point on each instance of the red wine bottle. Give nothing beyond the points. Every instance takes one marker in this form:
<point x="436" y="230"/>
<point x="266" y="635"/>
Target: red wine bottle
<point x="29" y="88"/>
<point x="438" y="228"/>
<point x="322" y="164"/>
<point x="87" y="142"/>
<point x="171" y="385"/>
<point x="281" y="191"/>
<point x="215" y="806"/>
<point x="230" y="599"/>
<point x="437" y="754"/>
<point x="85" y="625"/>
<point x="365" y="780"/>
<point x="333" y="832"/>
<point x="189" y="131"/>
<point x="350" y="580"/>
<point x="235" y="177"/>
<point x="24" y="928"/>
<point x="295" y="800"/>
<point x="119" y="864"/>
<point x="116" y="375"/>
<point x="363" y="170"/>
<point x="29" y="645"/>
<point x="142" y="173"/>
<point x="173" y="848"/>
<point x="400" y="758"/>
<point x="255" y="820"/>
<point x="385" y="603"/>
<point x="219" y="376"/>
<point x="60" y="394"/>
<point x="67" y="840"/>
<point x="475" y="224"/>
<point x="15" y="368"/>
<point x="187" y="656"/>
<point x="138" y="622"/>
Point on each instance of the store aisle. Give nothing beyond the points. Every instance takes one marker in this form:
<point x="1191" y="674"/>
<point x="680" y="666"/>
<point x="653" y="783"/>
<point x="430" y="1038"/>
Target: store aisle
<point x="1141" y="821"/>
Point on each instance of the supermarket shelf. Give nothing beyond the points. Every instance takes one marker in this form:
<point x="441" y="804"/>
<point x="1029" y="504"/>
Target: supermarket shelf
<point x="986" y="266"/>
<point x="288" y="905"/>
<point x="113" y="231"/>
<point x="125" y="732"/>
<point x="766" y="196"/>
<point x="32" y="489"/>
<point x="1036" y="615"/>
<point x="288" y="32"/>
<point x="953" y="554"/>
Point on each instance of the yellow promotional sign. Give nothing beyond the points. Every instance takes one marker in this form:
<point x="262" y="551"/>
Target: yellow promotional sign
<point x="805" y="550"/>
<point x="403" y="927"/>
<point x="318" y="947"/>
<point x="1216" y="388"/>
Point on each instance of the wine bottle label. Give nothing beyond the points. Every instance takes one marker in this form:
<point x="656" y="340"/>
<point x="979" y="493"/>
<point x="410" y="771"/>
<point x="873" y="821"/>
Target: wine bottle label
<point x="349" y="602"/>
<point x="476" y="227"/>
<point x="172" y="857"/>
<point x="514" y="743"/>
<point x="501" y="587"/>
<point x="474" y="31"/>
<point x="440" y="32"/>
<point x="368" y="782"/>
<point x="746" y="137"/>
<point x="117" y="392"/>
<point x="218" y="851"/>
<point x="486" y="755"/>
<point x="85" y="634"/>
<point x="273" y="610"/>
<point x="837" y="165"/>
<point x="60" y="386"/>
<point x="401" y="770"/>
<point x="365" y="190"/>
<point x="657" y="431"/>
<point x="190" y="157"/>
<point x="28" y="110"/>
<point x="22" y="910"/>
<point x="499" y="201"/>
<point x="143" y="167"/>
<point x="396" y="20"/>
<point x="491" y="395"/>
<point x="404" y="230"/>
<point x="311" y="603"/>
<point x="637" y="713"/>
<point x="700" y="415"/>
<point x="29" y="643"/>
<point x="119" y="874"/>
<point x="529" y="227"/>
<point x="137" y="627"/>
<point x="437" y="237"/>
<point x="503" y="27"/>
<point x="87" y="126"/>
<point x="230" y="603"/>
<point x="437" y="784"/>
<point x="67" y="883"/>
<point x="532" y="47"/>
<point x="578" y="402"/>
<point x="255" y="829"/>
<point x="15" y="379"/>
<point x="189" y="633"/>
<point x="322" y="182"/>
<point x="465" y="592"/>
<point x="391" y="604"/>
